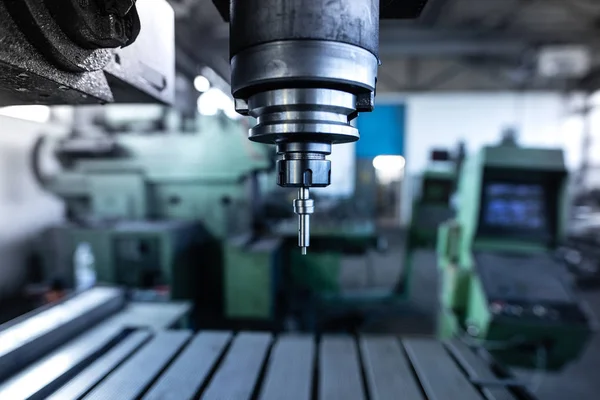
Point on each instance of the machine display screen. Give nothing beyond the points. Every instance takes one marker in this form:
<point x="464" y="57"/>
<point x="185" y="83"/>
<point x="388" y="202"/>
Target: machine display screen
<point x="515" y="206"/>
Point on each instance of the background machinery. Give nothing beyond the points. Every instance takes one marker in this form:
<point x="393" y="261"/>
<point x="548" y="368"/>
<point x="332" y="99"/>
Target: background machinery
<point x="501" y="284"/>
<point x="434" y="205"/>
<point x="155" y="210"/>
<point x="203" y="174"/>
<point x="580" y="250"/>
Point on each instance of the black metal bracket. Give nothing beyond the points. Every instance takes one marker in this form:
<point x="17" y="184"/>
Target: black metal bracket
<point x="402" y="9"/>
<point x="399" y="9"/>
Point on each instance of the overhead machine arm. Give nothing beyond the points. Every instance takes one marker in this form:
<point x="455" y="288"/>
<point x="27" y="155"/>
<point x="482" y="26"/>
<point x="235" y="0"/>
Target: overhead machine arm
<point x="305" y="69"/>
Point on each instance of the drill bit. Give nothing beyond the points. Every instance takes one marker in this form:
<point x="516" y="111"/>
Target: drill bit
<point x="303" y="207"/>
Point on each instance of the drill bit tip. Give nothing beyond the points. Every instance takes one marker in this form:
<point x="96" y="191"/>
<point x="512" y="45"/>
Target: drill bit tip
<point x="303" y="207"/>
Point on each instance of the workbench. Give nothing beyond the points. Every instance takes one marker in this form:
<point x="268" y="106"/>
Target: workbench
<point x="97" y="345"/>
<point x="177" y="364"/>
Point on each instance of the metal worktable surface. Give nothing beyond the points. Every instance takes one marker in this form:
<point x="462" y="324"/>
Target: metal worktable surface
<point x="178" y="364"/>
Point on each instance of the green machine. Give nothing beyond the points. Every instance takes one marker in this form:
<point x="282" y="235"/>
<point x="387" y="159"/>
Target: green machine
<point x="501" y="284"/>
<point x="200" y="175"/>
<point x="156" y="210"/>
<point x="165" y="257"/>
<point x="433" y="205"/>
<point x="253" y="291"/>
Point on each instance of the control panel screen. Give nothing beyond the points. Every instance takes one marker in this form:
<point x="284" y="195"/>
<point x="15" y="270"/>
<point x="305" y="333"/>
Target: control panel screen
<point x="515" y="206"/>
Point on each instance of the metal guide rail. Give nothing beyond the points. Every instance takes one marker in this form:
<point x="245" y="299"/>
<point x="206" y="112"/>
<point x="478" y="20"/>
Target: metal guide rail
<point x="30" y="336"/>
<point x="146" y="364"/>
<point x="41" y="350"/>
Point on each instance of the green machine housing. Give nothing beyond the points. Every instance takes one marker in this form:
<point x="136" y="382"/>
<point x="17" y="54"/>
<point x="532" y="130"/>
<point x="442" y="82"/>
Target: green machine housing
<point x="158" y="209"/>
<point x="252" y="283"/>
<point x="202" y="175"/>
<point x="500" y="281"/>
<point x="167" y="255"/>
<point x="432" y="207"/>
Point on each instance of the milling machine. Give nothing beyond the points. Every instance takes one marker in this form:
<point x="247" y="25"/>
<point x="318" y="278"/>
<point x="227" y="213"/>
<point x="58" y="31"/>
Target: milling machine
<point x="152" y="209"/>
<point x="501" y="285"/>
<point x="304" y="70"/>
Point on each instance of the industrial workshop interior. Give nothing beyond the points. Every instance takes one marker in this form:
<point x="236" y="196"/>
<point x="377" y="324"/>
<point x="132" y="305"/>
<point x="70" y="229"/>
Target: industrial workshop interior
<point x="300" y="199"/>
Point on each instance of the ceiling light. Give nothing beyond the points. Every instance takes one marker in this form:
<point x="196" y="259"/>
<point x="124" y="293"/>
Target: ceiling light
<point x="389" y="163"/>
<point x="201" y="83"/>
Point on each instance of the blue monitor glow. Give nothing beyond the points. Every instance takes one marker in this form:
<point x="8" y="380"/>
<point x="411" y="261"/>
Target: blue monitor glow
<point x="516" y="206"/>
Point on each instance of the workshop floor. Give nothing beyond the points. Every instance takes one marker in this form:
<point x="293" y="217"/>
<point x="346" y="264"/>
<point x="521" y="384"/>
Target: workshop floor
<point x="578" y="381"/>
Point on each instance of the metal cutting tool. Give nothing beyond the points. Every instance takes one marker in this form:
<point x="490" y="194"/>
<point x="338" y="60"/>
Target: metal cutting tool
<point x="305" y="69"/>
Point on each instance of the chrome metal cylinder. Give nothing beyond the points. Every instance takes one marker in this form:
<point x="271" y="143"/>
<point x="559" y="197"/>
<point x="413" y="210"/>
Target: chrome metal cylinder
<point x="309" y="115"/>
<point x="304" y="69"/>
<point x="255" y="22"/>
<point x="303" y="123"/>
<point x="304" y="91"/>
<point x="303" y="164"/>
<point x="304" y="206"/>
<point x="298" y="63"/>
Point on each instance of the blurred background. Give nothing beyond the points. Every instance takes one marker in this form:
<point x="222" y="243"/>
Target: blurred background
<point x="483" y="150"/>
